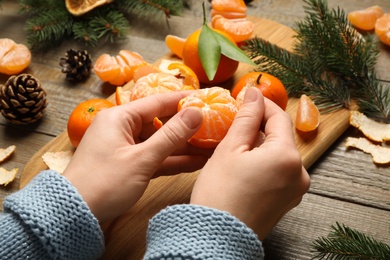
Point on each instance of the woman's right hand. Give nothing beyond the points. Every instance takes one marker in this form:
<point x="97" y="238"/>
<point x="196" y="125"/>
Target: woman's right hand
<point x="257" y="183"/>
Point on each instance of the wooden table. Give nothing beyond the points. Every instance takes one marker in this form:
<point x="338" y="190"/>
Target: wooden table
<point x="346" y="186"/>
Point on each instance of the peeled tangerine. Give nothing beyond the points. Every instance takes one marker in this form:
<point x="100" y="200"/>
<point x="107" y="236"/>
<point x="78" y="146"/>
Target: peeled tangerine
<point x="308" y="116"/>
<point x="14" y="58"/>
<point x="382" y="28"/>
<point x="365" y="19"/>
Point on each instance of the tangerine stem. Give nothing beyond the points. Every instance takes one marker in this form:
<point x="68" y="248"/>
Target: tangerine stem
<point x="204" y="13"/>
<point x="258" y="79"/>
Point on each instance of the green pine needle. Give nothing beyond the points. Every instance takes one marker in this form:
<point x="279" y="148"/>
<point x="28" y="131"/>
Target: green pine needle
<point x="48" y="29"/>
<point x="346" y="243"/>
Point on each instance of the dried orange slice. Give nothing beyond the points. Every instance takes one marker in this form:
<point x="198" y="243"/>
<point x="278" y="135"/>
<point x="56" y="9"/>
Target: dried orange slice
<point x="365" y="19"/>
<point x="240" y="29"/>
<point x="219" y="109"/>
<point x="382" y="28"/>
<point x="77" y="7"/>
<point x="308" y="116"/>
<point x="175" y="44"/>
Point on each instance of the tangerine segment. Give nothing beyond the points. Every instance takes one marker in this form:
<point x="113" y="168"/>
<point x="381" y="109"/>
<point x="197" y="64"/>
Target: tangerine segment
<point x="155" y="83"/>
<point x="308" y="116"/>
<point x="106" y="67"/>
<point x="132" y="59"/>
<point x="175" y="44"/>
<point x="382" y="28"/>
<point x="228" y="8"/>
<point x="143" y="70"/>
<point x="6" y="45"/>
<point x="218" y="108"/>
<point x="81" y="118"/>
<point x="120" y="69"/>
<point x="226" y="68"/>
<point x="190" y="80"/>
<point x="365" y="19"/>
<point x="14" y="58"/>
<point x="239" y="29"/>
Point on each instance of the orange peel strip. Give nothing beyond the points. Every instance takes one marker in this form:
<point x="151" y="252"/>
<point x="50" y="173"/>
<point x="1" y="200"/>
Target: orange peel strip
<point x="6" y="152"/>
<point x="57" y="161"/>
<point x="372" y="129"/>
<point x="380" y="154"/>
<point x="7" y="176"/>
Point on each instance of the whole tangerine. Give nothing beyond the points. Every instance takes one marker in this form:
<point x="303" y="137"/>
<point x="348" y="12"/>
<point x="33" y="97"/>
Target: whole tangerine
<point x="271" y="87"/>
<point x="81" y="118"/>
<point x="226" y="68"/>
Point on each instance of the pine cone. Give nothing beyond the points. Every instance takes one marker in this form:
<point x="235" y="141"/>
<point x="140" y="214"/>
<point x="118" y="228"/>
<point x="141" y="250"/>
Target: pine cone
<point x="76" y="64"/>
<point x="22" y="99"/>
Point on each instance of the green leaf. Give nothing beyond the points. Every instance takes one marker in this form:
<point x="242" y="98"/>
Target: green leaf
<point x="209" y="50"/>
<point x="232" y="51"/>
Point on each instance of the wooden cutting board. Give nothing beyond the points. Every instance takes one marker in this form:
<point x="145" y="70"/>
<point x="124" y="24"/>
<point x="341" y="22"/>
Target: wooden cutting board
<point x="125" y="237"/>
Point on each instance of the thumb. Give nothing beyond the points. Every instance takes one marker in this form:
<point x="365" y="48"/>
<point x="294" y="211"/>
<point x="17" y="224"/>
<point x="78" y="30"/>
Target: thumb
<point x="246" y="125"/>
<point x="174" y="133"/>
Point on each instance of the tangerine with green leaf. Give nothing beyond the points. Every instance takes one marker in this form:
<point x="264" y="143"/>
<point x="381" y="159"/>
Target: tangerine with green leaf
<point x="226" y="67"/>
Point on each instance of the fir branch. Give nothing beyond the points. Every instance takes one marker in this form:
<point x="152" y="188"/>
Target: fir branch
<point x="331" y="62"/>
<point x="279" y="62"/>
<point x="347" y="243"/>
<point x="37" y="7"/>
<point x="374" y="98"/>
<point x="152" y="8"/>
<point x="49" y="29"/>
<point x="50" y="23"/>
<point x="109" y="24"/>
<point x="83" y="32"/>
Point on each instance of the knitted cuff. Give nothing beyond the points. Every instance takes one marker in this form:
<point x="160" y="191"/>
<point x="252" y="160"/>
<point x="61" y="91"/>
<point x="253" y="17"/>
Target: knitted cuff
<point x="53" y="209"/>
<point x="196" y="232"/>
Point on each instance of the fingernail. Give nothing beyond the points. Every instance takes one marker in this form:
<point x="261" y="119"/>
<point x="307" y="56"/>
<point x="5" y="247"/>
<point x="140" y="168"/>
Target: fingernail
<point x="250" y="95"/>
<point x="192" y="117"/>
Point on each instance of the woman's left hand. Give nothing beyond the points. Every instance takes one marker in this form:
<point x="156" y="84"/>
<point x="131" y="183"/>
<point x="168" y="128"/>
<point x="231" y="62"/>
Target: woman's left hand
<point x="121" y="152"/>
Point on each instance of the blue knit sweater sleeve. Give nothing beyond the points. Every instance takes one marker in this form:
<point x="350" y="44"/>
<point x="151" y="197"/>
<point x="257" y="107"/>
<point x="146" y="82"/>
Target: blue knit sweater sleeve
<point x="49" y="220"/>
<point x="196" y="232"/>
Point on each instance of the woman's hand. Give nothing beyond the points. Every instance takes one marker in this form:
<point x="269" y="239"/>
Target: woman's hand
<point x="121" y="152"/>
<point x="257" y="183"/>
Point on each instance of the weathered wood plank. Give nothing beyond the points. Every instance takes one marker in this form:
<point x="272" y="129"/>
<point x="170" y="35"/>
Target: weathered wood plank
<point x="346" y="186"/>
<point x="313" y="218"/>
